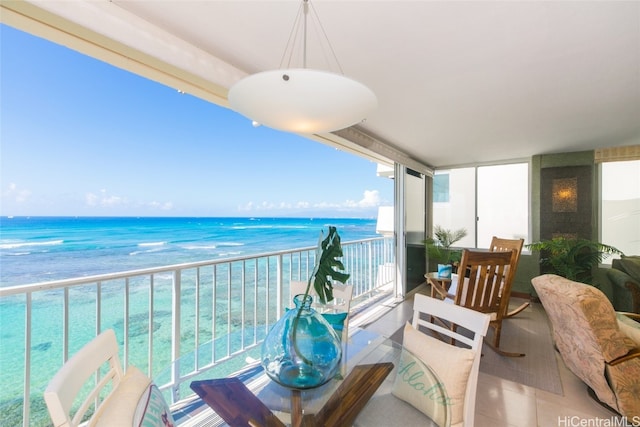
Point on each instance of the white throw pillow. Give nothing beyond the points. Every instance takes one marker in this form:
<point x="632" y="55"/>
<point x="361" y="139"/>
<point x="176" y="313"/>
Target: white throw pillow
<point x="152" y="410"/>
<point x="452" y="365"/>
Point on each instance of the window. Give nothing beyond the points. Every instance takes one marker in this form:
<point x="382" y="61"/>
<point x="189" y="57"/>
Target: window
<point x="486" y="200"/>
<point x="441" y="188"/>
<point x="503" y="202"/>
<point x="459" y="210"/>
<point x="620" y="206"/>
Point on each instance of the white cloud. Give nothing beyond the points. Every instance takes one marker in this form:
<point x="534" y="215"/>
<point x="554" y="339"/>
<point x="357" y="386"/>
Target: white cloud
<point x="17" y="194"/>
<point x="91" y="199"/>
<point x="370" y="199"/>
<point x="163" y="206"/>
<point x="104" y="199"/>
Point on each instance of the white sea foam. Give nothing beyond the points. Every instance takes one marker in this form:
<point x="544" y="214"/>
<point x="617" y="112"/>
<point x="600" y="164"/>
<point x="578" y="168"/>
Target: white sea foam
<point x="198" y="247"/>
<point x="152" y="244"/>
<point x="227" y="244"/>
<point x="14" y="245"/>
<point x="231" y="253"/>
<point x="147" y="251"/>
<point x="269" y="227"/>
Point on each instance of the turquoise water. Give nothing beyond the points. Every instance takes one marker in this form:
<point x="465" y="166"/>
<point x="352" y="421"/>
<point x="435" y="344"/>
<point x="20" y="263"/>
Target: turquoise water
<point x="35" y="249"/>
<point x="40" y="249"/>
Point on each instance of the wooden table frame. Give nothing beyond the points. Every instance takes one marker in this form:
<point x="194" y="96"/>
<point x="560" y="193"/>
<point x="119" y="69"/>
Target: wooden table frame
<point x="239" y="407"/>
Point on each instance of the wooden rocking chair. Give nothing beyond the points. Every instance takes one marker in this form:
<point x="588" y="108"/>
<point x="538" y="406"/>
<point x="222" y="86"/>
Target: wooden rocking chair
<point x="498" y="244"/>
<point x="480" y="282"/>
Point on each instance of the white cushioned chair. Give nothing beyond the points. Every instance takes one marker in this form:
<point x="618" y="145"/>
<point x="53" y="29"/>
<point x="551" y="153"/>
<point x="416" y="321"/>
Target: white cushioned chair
<point x="427" y="347"/>
<point x="117" y="399"/>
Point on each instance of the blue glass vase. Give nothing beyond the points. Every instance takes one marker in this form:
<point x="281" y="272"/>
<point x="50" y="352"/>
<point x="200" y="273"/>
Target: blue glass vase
<point x="306" y="358"/>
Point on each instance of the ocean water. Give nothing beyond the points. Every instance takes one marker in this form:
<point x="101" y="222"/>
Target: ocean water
<point x="38" y="249"/>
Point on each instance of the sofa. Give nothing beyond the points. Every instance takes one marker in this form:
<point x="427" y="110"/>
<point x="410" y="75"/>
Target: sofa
<point x="621" y="283"/>
<point x="597" y="344"/>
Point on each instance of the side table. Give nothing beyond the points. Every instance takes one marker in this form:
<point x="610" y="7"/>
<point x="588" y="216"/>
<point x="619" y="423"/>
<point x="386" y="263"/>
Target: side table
<point x="439" y="285"/>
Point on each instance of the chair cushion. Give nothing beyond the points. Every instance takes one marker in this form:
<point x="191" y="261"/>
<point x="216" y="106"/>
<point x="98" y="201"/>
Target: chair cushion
<point x="121" y="403"/>
<point x="336" y="320"/>
<point x="452" y="364"/>
<point x="136" y="401"/>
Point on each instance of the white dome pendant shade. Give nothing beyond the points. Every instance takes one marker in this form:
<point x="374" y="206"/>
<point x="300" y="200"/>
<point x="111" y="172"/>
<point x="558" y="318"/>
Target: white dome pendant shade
<point x="302" y="100"/>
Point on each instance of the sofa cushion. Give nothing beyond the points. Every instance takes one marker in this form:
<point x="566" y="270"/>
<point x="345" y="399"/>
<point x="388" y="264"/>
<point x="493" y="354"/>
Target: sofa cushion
<point x="630" y="265"/>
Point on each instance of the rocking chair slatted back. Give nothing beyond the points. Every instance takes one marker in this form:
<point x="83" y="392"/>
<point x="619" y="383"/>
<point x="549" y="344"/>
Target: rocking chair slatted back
<point x="482" y="275"/>
<point x="499" y="244"/>
<point x="485" y="273"/>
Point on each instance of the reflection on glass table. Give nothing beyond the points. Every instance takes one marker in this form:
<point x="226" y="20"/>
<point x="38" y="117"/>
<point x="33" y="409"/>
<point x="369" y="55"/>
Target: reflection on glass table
<point x="374" y="366"/>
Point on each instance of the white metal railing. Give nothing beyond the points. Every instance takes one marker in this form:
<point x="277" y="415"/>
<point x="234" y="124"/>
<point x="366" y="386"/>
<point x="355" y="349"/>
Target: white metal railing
<point x="202" y="313"/>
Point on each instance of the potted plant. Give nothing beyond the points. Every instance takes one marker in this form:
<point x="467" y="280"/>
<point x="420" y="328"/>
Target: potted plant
<point x="439" y="248"/>
<point x="571" y="257"/>
<point x="302" y="350"/>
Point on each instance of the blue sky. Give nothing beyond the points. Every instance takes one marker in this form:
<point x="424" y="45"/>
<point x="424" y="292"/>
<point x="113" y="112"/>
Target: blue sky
<point x="81" y="137"/>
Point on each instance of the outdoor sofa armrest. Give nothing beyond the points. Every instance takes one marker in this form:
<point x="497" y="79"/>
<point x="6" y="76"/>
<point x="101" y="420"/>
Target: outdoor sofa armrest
<point x="626" y="286"/>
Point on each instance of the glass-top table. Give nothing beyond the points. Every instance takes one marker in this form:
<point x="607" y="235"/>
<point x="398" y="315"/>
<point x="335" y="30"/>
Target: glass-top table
<point x="368" y="373"/>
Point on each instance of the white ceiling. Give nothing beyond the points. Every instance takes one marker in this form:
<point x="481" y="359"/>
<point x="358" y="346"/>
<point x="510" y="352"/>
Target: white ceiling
<point x="457" y="82"/>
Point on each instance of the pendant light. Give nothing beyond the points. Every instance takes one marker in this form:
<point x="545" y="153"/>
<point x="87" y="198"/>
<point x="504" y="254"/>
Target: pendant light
<point x="302" y="100"/>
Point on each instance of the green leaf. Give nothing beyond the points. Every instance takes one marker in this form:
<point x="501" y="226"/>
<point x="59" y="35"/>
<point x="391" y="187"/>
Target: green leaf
<point x="572" y="258"/>
<point x="328" y="265"/>
<point x="324" y="270"/>
<point x="439" y="248"/>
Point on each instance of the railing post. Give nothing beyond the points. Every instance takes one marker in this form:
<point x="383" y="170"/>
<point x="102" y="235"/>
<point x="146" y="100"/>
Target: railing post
<point x="26" y="401"/>
<point x="151" y="313"/>
<point x="370" y="277"/>
<point x="125" y="325"/>
<point x="279" y="285"/>
<point x="175" y="336"/>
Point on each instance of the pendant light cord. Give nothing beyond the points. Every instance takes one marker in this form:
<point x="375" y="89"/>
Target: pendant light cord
<point x="302" y="21"/>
